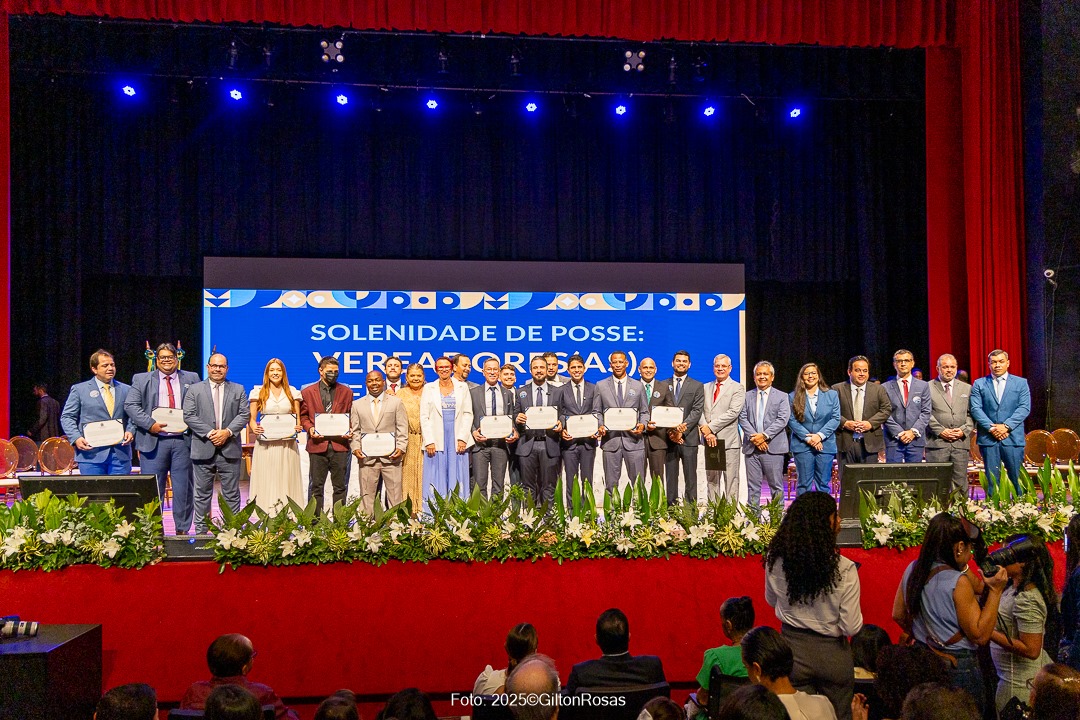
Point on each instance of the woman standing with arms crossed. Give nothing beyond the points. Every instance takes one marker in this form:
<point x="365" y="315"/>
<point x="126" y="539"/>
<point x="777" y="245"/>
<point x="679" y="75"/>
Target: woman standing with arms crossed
<point x="412" y="466"/>
<point x="275" y="464"/>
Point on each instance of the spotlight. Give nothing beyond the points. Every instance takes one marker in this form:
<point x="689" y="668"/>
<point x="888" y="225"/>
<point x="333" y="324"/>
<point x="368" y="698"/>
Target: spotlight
<point x="342" y="99"/>
<point x="620" y="109"/>
<point x="709" y="111"/>
<point x="531" y="107"/>
<point x="634" y="60"/>
<point x="128" y="90"/>
<point x="332" y="51"/>
<point x="236" y="94"/>
<point x="795" y="112"/>
<point x="432" y="104"/>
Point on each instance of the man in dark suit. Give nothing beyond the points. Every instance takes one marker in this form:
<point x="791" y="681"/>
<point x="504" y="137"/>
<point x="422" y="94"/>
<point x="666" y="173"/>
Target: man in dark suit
<point x="491" y="454"/>
<point x="48" y="416"/>
<point x="683" y="440"/>
<point x="622" y="447"/>
<point x="616" y="667"/>
<point x="950" y="422"/>
<point x="578" y="454"/>
<point x="905" y="430"/>
<point x="656" y="441"/>
<point x="864" y="408"/>
<point x="538" y="449"/>
<point x="1000" y="403"/>
<point x="97" y="400"/>
<point x="764" y="419"/>
<point x="216" y="410"/>
<point x="326" y="455"/>
<point x="164" y="451"/>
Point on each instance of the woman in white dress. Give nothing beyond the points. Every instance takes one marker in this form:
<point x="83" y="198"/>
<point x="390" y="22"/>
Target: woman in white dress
<point x="275" y="464"/>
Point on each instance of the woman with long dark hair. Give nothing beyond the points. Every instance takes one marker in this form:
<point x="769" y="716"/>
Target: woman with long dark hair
<point x="815" y="593"/>
<point x="1027" y="615"/>
<point x="521" y="642"/>
<point x="815" y="416"/>
<point x="1069" y="652"/>
<point x="937" y="601"/>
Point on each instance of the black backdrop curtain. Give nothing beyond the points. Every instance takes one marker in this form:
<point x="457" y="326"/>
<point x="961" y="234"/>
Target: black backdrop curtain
<point x="114" y="205"/>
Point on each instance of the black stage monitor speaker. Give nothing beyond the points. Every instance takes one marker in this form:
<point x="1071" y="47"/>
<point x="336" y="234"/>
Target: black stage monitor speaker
<point x="926" y="480"/>
<point x="130" y="492"/>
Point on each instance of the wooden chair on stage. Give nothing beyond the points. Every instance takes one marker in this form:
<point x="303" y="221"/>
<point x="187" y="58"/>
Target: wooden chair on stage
<point x="635" y="698"/>
<point x="1068" y="444"/>
<point x="975" y="466"/>
<point x="1040" y="445"/>
<point x="9" y="465"/>
<point x="720" y="686"/>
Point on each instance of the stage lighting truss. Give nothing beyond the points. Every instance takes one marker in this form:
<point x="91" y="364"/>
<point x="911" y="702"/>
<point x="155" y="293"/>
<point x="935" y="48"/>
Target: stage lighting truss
<point x="634" y="61"/>
<point x="331" y="51"/>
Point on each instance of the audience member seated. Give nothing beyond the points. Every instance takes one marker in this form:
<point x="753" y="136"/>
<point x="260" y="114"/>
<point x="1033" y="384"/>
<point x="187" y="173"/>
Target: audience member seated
<point x="864" y="650"/>
<point x="899" y="669"/>
<point x="521" y="642"/>
<point x="232" y="702"/>
<point x="535" y="676"/>
<point x="409" y="704"/>
<point x="769" y="662"/>
<point x="1055" y="693"/>
<point x="616" y="667"/>
<point x="934" y="701"/>
<point x="339" y="706"/>
<point x="737" y="617"/>
<point x="135" y="701"/>
<point x="230" y="659"/>
<point x="661" y="708"/>
<point x="752" y="702"/>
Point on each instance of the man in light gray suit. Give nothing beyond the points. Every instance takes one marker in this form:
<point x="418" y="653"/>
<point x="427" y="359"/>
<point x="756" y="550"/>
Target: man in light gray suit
<point x="216" y="410"/>
<point x="950" y="426"/>
<point x="724" y="400"/>
<point x="622" y="447"/>
<point x="378" y="412"/>
<point x="763" y="419"/>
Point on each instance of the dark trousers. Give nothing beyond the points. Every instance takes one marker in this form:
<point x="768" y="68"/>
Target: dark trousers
<point x="823" y="666"/>
<point x="334" y="462"/>
<point x="856" y="454"/>
<point x="656" y="461"/>
<point x="578" y="459"/>
<point x="173" y="457"/>
<point x="993" y="457"/>
<point x="685" y="455"/>
<point x="539" y="473"/>
<point x="492" y="457"/>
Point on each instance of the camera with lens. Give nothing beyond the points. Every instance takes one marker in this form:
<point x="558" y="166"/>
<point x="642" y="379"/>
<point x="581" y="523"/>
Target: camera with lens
<point x="12" y="627"/>
<point x="1019" y="550"/>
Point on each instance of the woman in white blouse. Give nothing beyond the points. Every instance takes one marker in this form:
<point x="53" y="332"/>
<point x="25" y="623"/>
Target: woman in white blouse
<point x="446" y="418"/>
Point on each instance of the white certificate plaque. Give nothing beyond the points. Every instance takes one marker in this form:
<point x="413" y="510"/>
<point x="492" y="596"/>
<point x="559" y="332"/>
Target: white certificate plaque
<point x="377" y="444"/>
<point x="103" y="433"/>
<point x="332" y="424"/>
<point x="171" y="419"/>
<point x="541" y="417"/>
<point x="620" y="418"/>
<point x="666" y="417"/>
<point x="278" y="426"/>
<point x="495" y="427"/>
<point x="582" y="426"/>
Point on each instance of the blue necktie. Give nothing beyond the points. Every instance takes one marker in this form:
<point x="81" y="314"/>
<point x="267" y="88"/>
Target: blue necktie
<point x="492" y="401"/>
<point x="678" y="389"/>
<point x="619" y="395"/>
<point x="539" y="395"/>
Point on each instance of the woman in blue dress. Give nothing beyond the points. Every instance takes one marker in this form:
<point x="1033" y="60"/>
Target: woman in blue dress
<point x="446" y="427"/>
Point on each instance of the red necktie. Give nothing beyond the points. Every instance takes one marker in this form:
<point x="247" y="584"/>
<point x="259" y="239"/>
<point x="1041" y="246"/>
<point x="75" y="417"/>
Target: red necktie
<point x="172" y="398"/>
<point x="716" y="392"/>
<point x="905" y="391"/>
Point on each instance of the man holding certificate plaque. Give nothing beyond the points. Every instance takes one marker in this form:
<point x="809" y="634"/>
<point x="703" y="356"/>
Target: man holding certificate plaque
<point x="324" y="414"/>
<point x="621" y="401"/>
<point x="380" y="435"/>
<point x="493" y="430"/>
<point x="95" y="422"/>
<point x="155" y="404"/>
<point x="538" y="423"/>
<point x="581" y="427"/>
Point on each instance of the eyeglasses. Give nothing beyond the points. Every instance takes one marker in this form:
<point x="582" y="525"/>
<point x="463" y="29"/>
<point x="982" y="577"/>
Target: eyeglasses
<point x="217" y="367"/>
<point x="166" y="358"/>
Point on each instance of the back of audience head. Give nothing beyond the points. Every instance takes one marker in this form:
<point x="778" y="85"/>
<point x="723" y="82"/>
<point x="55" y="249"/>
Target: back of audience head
<point x="230" y="655"/>
<point x="613" y="632"/>
<point x="766" y="654"/>
<point x="232" y="702"/>
<point x="521" y="642"/>
<point x="1055" y="693"/>
<point x="661" y="708"/>
<point x="934" y="701"/>
<point x="900" y="668"/>
<point x="752" y="702"/>
<point x="737" y="614"/>
<point x="135" y="701"/>
<point x="866" y="645"/>
<point x="339" y="706"/>
<point x="409" y="704"/>
<point x="535" y="675"/>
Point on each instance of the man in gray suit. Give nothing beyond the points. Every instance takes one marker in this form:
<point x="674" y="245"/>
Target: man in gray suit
<point x="724" y="400"/>
<point x="491" y="454"/>
<point x="864" y="408"/>
<point x="950" y="422"/>
<point x="689" y="395"/>
<point x="216" y="410"/>
<point x="379" y="412"/>
<point x="763" y="419"/>
<point x="622" y="447"/>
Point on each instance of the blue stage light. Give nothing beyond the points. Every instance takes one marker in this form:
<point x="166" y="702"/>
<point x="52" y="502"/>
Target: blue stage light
<point x="531" y="107"/>
<point x="620" y="109"/>
<point x="795" y="112"/>
<point x="709" y="111"/>
<point x="342" y="99"/>
<point x="128" y="90"/>
<point x="236" y="94"/>
<point x="432" y="104"/>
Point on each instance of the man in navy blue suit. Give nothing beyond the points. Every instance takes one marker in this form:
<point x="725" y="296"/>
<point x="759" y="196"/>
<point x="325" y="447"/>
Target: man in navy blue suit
<point x="578" y="454"/>
<point x="1000" y="403"/>
<point x="538" y="449"/>
<point x="100" y="398"/>
<point x="164" y="450"/>
<point x="905" y="430"/>
<point x="688" y="394"/>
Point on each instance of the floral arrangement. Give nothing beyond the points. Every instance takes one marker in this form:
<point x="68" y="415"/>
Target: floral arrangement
<point x="46" y="532"/>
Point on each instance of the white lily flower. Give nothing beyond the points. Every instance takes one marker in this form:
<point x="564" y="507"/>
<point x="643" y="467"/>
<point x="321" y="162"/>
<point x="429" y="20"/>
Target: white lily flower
<point x="50" y="537"/>
<point x="374" y="542"/>
<point x="508" y="527"/>
<point x="1046" y="523"/>
<point x="739" y="521"/>
<point x="624" y="545"/>
<point x="630" y="519"/>
<point x="228" y="540"/>
<point x="699" y="534"/>
<point x="882" y="534"/>
<point x="356" y="533"/>
<point x="669" y="526"/>
<point x="288" y="547"/>
<point x="463" y="532"/>
<point x="123" y="529"/>
<point x="528" y="518"/>
<point x="302" y="537"/>
<point x="574" y="528"/>
<point x="396" y="528"/>
<point x="750" y="532"/>
<point x="111" y="547"/>
<point x="67" y="537"/>
<point x="662" y="539"/>
<point x="882" y="518"/>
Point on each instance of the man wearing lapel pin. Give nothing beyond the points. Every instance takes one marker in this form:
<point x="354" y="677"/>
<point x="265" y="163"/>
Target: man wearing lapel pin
<point x="96" y="400"/>
<point x="379" y="412"/>
<point x="683" y="439"/>
<point x="578" y="454"/>
<point x="950" y="421"/>
<point x="905" y="430"/>
<point x="538" y="450"/>
<point x="724" y="400"/>
<point x="491" y="455"/>
<point x="622" y="447"/>
<point x="657" y="394"/>
<point x="164" y="451"/>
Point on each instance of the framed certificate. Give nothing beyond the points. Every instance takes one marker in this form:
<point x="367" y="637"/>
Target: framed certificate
<point x="582" y="426"/>
<point x="332" y="424"/>
<point x="278" y="426"/>
<point x="620" y="418"/>
<point x="171" y="419"/>
<point x="666" y="417"/>
<point x="104" y="433"/>
<point x="496" y="426"/>
<point x="541" y="417"/>
<point x="377" y="444"/>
